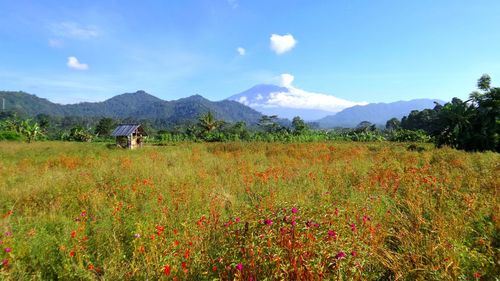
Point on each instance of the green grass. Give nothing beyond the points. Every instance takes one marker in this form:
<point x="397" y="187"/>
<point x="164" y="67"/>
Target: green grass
<point x="76" y="211"/>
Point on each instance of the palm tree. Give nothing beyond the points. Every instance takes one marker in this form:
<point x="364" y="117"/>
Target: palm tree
<point x="208" y="122"/>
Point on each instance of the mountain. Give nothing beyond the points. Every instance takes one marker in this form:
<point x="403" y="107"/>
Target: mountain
<point x="138" y="105"/>
<point x="376" y="113"/>
<point x="288" y="101"/>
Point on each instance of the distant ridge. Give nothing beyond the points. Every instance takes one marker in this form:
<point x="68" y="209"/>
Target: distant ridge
<point x="137" y="105"/>
<point x="376" y="113"/>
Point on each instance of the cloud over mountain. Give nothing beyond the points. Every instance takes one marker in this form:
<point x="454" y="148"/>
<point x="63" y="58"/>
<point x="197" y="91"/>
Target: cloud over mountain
<point x="288" y="101"/>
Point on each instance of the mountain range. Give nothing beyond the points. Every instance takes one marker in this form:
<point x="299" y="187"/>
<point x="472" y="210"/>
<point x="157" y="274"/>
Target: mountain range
<point x="247" y="106"/>
<point x="138" y="105"/>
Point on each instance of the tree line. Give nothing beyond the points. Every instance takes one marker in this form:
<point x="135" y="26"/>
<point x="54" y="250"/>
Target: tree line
<point x="471" y="125"/>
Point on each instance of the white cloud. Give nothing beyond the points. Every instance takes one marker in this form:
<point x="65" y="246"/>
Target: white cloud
<point x="299" y="99"/>
<point x="281" y="44"/>
<point x="75" y="64"/>
<point x="74" y="30"/>
<point x="241" y="51"/>
<point x="243" y="100"/>
<point x="286" y="79"/>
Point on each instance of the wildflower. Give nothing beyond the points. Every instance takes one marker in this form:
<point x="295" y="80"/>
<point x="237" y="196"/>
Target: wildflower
<point x="354" y="253"/>
<point x="83" y="213"/>
<point x="337" y="212"/>
<point x="332" y="234"/>
<point x="294" y="222"/>
<point x="214" y="268"/>
<point x="72" y="253"/>
<point x="353" y="227"/>
<point x="159" y="229"/>
<point x="73" y="234"/>
<point x="237" y="220"/>
<point x="8" y="250"/>
<point x="294" y="210"/>
<point x="340" y="255"/>
<point x="365" y="219"/>
<point x="239" y="267"/>
<point x="137" y="235"/>
<point x="166" y="270"/>
<point x="184" y="267"/>
<point x="5" y="262"/>
<point x="477" y="275"/>
<point x="91" y="267"/>
<point x="186" y="254"/>
<point x="268" y="222"/>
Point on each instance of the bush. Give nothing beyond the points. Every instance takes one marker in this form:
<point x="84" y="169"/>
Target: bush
<point x="409" y="136"/>
<point x="10" y="136"/>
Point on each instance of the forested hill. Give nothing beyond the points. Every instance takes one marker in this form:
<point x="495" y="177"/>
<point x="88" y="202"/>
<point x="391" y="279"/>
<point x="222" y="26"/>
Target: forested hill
<point x="138" y="105"/>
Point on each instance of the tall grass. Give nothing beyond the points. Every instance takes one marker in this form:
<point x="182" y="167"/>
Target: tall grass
<point x="248" y="211"/>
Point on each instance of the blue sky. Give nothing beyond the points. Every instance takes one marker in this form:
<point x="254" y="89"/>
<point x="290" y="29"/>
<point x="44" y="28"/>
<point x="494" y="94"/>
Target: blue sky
<point x="373" y="51"/>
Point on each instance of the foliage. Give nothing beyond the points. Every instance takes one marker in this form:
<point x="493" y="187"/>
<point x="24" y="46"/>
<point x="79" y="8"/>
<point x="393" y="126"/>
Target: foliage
<point x="105" y="127"/>
<point x="247" y="211"/>
<point x="409" y="136"/>
<point x="472" y="125"/>
<point x="77" y="134"/>
<point x="393" y="124"/>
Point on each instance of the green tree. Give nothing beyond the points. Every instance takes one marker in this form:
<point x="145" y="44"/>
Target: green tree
<point x="393" y="124"/>
<point x="29" y="129"/>
<point x="299" y="126"/>
<point x="208" y="123"/>
<point x="484" y="82"/>
<point x="105" y="126"/>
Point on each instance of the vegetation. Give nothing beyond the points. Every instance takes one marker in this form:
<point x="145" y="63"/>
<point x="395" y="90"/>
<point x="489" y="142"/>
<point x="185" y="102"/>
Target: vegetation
<point x="248" y="211"/>
<point x="472" y="125"/>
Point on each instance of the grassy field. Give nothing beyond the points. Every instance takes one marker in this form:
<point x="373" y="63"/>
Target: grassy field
<point x="248" y="211"/>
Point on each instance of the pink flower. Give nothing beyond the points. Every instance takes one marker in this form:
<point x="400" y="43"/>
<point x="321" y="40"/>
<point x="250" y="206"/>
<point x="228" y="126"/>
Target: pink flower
<point x="5" y="262"/>
<point x="340" y="255"/>
<point x="294" y="222"/>
<point x="294" y="210"/>
<point x="8" y="250"/>
<point x="239" y="267"/>
<point x="332" y="234"/>
<point x="366" y="218"/>
<point x="337" y="212"/>
<point x="237" y="220"/>
<point x="354" y="253"/>
<point x="353" y="227"/>
<point x="268" y="222"/>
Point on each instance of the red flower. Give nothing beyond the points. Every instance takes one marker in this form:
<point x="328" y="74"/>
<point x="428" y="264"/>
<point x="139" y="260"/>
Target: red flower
<point x="214" y="269"/>
<point x="166" y="270"/>
<point x="477" y="275"/>
<point x="72" y="253"/>
<point x="184" y="267"/>
<point x="73" y="234"/>
<point x="186" y="254"/>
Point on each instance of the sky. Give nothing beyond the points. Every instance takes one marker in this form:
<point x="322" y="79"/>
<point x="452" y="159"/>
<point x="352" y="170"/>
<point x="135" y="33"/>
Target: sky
<point x="357" y="50"/>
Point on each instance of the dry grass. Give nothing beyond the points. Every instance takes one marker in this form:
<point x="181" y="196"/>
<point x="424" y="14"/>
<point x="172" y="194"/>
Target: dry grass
<point x="224" y="211"/>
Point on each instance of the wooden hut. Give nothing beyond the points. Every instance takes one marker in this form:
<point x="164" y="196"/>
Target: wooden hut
<point x="129" y="135"/>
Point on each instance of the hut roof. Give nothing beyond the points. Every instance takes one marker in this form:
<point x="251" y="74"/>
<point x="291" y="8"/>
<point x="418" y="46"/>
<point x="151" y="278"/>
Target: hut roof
<point x="126" y="130"/>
